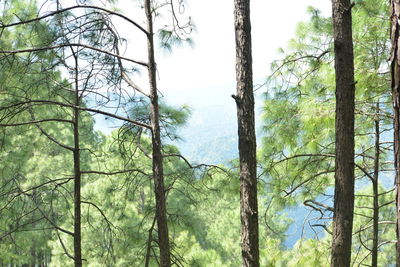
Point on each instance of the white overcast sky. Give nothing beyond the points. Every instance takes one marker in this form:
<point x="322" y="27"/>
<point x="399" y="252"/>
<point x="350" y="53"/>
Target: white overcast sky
<point x="209" y="67"/>
<point x="204" y="75"/>
<point x="207" y="70"/>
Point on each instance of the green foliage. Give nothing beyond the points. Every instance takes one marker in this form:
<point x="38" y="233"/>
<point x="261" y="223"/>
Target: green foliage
<point x="174" y="31"/>
<point x="168" y="40"/>
<point x="118" y="226"/>
<point x="298" y="146"/>
<point x="171" y="118"/>
<point x="363" y="230"/>
<point x="309" y="252"/>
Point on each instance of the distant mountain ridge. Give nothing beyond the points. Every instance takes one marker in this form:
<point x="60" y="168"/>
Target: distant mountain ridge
<point x="210" y="136"/>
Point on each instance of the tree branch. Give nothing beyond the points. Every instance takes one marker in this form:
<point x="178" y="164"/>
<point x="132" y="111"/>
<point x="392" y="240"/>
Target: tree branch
<point x="37" y="49"/>
<point x="116" y="172"/>
<point x="75" y="7"/>
<point x="32" y="122"/>
<point x="51" y="102"/>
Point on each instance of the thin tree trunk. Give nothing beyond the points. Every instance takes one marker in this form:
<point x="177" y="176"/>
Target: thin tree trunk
<point x="158" y="172"/>
<point x="395" y="71"/>
<point x="344" y="165"/>
<point x="77" y="173"/>
<point x="374" y="252"/>
<point x="247" y="138"/>
<point x="149" y="241"/>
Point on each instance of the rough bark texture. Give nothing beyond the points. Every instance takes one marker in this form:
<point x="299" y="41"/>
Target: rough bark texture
<point x="247" y="139"/>
<point x="158" y="172"/>
<point x="77" y="174"/>
<point x="344" y="167"/>
<point x="395" y="70"/>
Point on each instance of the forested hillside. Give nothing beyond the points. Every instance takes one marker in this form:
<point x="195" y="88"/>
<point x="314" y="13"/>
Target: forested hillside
<point x="101" y="167"/>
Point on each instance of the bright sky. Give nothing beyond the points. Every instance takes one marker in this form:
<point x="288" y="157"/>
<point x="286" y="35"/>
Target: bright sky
<point x="209" y="67"/>
<point x="204" y="75"/>
<point x="207" y="71"/>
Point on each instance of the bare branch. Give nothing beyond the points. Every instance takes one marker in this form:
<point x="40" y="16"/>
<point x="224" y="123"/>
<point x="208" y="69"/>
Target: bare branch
<point x="63" y="246"/>
<point x="149" y="240"/>
<point x="306" y="181"/>
<point x="194" y="166"/>
<point x="50" y="102"/>
<point x="365" y="172"/>
<point x="305" y="155"/>
<point x="370" y="225"/>
<point x="323" y="226"/>
<point x="37" y="49"/>
<point x="318" y="204"/>
<point x="116" y="172"/>
<point x="132" y="84"/>
<point x="101" y="212"/>
<point x="33" y="122"/>
<point x="2" y="26"/>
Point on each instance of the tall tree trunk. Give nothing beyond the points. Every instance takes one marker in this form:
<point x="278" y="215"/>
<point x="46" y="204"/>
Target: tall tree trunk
<point x="395" y="71"/>
<point x="77" y="173"/>
<point x="158" y="172"/>
<point x="344" y="165"/>
<point x="247" y="138"/>
<point x="375" y="183"/>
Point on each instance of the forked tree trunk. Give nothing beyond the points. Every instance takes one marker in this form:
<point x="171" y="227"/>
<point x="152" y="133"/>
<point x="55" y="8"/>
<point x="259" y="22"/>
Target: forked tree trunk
<point x="158" y="172"/>
<point x="344" y="165"/>
<point x="395" y="71"/>
<point x="247" y="139"/>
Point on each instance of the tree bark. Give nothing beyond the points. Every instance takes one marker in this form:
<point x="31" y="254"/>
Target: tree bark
<point x="77" y="173"/>
<point x="247" y="138"/>
<point x="344" y="165"/>
<point x="158" y="172"/>
<point x="395" y="71"/>
<point x="375" y="184"/>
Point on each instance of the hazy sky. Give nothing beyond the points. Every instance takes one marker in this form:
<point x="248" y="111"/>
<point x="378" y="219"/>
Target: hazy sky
<point x="207" y="71"/>
<point x="209" y="67"/>
<point x="204" y="75"/>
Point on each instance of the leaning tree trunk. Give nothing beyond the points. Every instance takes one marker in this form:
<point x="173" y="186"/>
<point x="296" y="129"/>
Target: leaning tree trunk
<point x="158" y="172"/>
<point x="247" y="139"/>
<point x="344" y="165"/>
<point x="395" y="70"/>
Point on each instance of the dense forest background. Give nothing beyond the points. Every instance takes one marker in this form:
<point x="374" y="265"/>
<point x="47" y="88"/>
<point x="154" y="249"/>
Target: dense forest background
<point x="78" y="143"/>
